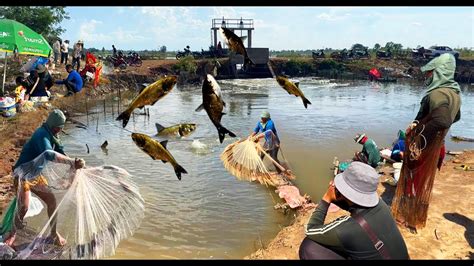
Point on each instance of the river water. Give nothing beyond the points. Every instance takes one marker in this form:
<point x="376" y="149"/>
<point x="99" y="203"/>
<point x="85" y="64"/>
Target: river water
<point x="210" y="214"/>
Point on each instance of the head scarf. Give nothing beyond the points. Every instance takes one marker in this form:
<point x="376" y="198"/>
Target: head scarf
<point x="443" y="68"/>
<point x="55" y="119"/>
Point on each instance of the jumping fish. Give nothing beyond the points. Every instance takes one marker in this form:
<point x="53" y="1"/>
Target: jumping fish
<point x="291" y="88"/>
<point x="182" y="130"/>
<point x="157" y="151"/>
<point x="235" y="44"/>
<point x="213" y="104"/>
<point x="149" y="96"/>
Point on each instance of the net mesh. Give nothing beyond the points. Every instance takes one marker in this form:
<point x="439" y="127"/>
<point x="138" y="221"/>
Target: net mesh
<point x="250" y="161"/>
<point x="95" y="209"/>
<point x="412" y="197"/>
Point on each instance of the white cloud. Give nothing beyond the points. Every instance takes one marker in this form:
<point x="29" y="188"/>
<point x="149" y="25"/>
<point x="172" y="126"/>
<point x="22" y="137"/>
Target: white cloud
<point x="333" y="14"/>
<point x="87" y="32"/>
<point x="418" y="24"/>
<point x="226" y="12"/>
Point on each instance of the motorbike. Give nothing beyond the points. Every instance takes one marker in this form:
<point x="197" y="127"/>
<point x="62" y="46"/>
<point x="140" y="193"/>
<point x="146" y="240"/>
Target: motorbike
<point x="116" y="62"/>
<point x="342" y="55"/>
<point x="318" y="54"/>
<point x="195" y="55"/>
<point x="358" y="54"/>
<point x="380" y="54"/>
<point x="133" y="59"/>
<point x="418" y="52"/>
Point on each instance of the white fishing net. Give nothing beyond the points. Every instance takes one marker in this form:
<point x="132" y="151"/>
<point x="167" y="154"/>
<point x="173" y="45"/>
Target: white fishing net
<point x="96" y="208"/>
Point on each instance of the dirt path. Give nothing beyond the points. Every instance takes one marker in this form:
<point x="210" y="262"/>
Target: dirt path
<point x="449" y="231"/>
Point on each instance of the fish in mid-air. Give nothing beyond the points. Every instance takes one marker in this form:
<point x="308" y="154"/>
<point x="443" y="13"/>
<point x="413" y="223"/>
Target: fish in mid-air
<point x="181" y="130"/>
<point x="157" y="151"/>
<point x="149" y="96"/>
<point x="213" y="104"/>
<point x="235" y="44"/>
<point x="291" y="88"/>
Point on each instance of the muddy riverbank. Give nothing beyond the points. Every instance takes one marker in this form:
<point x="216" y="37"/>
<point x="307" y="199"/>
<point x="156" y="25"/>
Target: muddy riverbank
<point x="449" y="228"/>
<point x="238" y="107"/>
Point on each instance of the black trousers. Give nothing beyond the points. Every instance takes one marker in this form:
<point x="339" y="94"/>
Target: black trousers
<point x="64" y="57"/>
<point x="310" y="250"/>
<point x="71" y="87"/>
<point x="77" y="61"/>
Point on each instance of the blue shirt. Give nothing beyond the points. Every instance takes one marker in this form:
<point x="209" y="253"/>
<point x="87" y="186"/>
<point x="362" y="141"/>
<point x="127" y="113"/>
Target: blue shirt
<point x="397" y="148"/>
<point x="75" y="78"/>
<point x="268" y="126"/>
<point x="39" y="142"/>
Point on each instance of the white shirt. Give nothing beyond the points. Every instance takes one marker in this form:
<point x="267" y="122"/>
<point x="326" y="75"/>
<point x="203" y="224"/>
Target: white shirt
<point x="64" y="47"/>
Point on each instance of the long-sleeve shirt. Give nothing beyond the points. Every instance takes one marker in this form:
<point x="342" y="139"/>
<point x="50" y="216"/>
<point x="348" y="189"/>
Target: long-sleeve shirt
<point x="346" y="237"/>
<point x="268" y="126"/>
<point x="73" y="77"/>
<point x="444" y="106"/>
<point x="41" y="141"/>
<point x="372" y="152"/>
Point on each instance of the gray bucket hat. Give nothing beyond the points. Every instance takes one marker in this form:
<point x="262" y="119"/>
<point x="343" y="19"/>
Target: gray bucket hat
<point x="359" y="184"/>
<point x="265" y="114"/>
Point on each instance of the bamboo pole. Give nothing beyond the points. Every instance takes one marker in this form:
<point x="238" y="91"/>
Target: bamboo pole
<point x="269" y="157"/>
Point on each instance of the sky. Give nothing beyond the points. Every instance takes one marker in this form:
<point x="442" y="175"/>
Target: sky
<point x="277" y="28"/>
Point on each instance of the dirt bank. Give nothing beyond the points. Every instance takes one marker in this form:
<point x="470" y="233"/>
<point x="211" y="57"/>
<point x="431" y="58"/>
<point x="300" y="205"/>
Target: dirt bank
<point x="17" y="130"/>
<point x="449" y="231"/>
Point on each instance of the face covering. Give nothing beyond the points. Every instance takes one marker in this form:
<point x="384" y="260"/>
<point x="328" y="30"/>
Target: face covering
<point x="428" y="81"/>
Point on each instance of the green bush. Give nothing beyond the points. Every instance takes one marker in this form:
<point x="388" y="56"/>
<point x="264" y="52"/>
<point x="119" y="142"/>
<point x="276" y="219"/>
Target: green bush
<point x="186" y="64"/>
<point x="298" y="67"/>
<point x="329" y="64"/>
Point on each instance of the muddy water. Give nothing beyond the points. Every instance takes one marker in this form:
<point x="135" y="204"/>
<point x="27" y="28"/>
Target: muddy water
<point x="210" y="214"/>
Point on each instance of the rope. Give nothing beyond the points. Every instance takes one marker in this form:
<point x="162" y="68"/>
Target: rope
<point x="415" y="151"/>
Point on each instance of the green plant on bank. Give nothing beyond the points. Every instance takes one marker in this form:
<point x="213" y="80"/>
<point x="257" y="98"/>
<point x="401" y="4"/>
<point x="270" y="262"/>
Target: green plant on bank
<point x="186" y="64"/>
<point x="329" y="64"/>
<point x="299" y="67"/>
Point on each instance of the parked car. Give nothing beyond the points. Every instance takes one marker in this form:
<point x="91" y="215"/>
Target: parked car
<point x="435" y="51"/>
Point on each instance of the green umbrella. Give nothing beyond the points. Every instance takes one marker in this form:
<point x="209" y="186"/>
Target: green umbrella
<point x="16" y="36"/>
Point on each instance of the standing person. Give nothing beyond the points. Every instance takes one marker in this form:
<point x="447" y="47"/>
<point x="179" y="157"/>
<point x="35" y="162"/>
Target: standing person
<point x="114" y="51"/>
<point x="370" y="153"/>
<point x="64" y="51"/>
<point x="269" y="132"/>
<point x="44" y="139"/>
<point x="440" y="108"/>
<point x="219" y="49"/>
<point x="369" y="233"/>
<point x="56" y="51"/>
<point x="76" y="54"/>
<point x="73" y="82"/>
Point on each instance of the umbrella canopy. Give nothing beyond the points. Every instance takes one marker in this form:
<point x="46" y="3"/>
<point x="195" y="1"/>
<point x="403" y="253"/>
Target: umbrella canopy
<point x="15" y="35"/>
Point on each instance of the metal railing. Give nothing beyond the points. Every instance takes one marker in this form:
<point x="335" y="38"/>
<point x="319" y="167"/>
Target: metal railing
<point x="232" y="23"/>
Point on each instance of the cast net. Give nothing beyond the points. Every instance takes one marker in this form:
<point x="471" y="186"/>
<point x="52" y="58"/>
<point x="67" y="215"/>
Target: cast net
<point x="96" y="208"/>
<point x="248" y="160"/>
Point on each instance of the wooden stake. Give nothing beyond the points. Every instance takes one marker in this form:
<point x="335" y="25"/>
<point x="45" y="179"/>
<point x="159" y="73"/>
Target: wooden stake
<point x="87" y="113"/>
